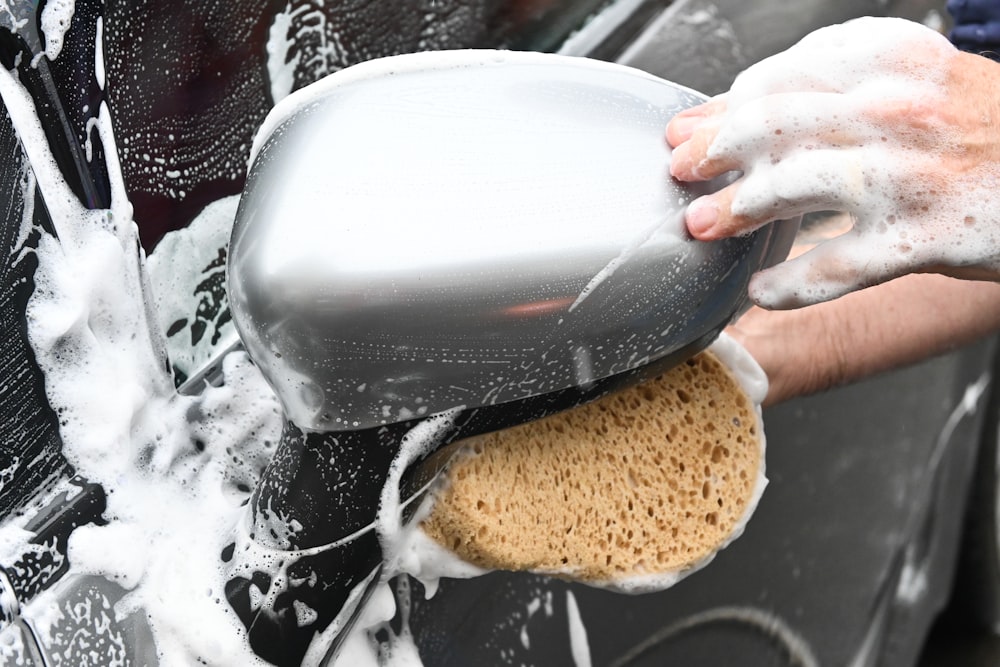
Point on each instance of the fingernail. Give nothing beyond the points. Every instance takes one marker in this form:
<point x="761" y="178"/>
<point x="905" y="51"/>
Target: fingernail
<point x="678" y="167"/>
<point x="681" y="128"/>
<point x="701" y="216"/>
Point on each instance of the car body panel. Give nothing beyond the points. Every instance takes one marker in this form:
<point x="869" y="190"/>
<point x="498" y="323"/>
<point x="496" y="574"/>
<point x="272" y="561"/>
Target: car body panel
<point x="851" y="552"/>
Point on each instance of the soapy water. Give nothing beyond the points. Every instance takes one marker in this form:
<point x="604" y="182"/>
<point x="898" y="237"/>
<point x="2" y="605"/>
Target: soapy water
<point x="579" y="647"/>
<point x="106" y="379"/>
<point x="178" y="469"/>
<point x="195" y="332"/>
<point x="630" y="249"/>
<point x="818" y="127"/>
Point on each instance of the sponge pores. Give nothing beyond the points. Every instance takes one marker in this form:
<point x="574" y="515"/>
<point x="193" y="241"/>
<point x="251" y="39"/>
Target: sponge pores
<point x="651" y="479"/>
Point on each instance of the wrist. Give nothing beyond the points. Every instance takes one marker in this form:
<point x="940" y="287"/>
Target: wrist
<point x="888" y="326"/>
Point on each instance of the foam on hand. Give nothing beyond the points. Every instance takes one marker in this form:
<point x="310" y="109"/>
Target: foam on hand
<point x="859" y="118"/>
<point x="178" y="469"/>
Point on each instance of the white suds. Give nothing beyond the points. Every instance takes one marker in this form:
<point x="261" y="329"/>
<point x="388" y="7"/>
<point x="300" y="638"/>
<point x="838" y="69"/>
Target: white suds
<point x="427" y="561"/>
<point x="847" y="120"/>
<point x="100" y="72"/>
<point x="578" y="645"/>
<point x="170" y="464"/>
<point x="187" y="274"/>
<point x="280" y="63"/>
<point x="425" y="437"/>
<point x="629" y="251"/>
<point x="56" y="18"/>
<point x="176" y="466"/>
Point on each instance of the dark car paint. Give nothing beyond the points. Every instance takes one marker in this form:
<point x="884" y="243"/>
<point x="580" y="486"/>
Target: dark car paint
<point x="868" y="482"/>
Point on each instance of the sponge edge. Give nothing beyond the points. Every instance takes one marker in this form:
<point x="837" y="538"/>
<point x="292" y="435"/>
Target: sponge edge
<point x="631" y="492"/>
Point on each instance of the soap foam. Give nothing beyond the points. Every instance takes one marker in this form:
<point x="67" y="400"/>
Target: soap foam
<point x="187" y="274"/>
<point x="177" y="469"/>
<point x="55" y="21"/>
<point x="427" y="560"/>
<point x="814" y="128"/>
<point x="418" y="556"/>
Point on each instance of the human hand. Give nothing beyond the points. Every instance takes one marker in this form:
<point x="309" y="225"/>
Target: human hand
<point x="808" y="350"/>
<point x="880" y="118"/>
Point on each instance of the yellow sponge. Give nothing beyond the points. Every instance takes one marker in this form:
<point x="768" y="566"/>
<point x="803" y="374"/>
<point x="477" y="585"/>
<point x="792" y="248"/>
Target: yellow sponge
<point x="651" y="479"/>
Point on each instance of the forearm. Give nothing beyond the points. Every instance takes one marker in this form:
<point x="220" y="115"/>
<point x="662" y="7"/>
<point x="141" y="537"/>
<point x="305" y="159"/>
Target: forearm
<point x="867" y="332"/>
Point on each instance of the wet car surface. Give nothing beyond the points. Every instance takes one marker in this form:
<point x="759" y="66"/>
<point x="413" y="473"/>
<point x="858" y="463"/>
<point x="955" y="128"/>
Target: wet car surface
<point x="851" y="553"/>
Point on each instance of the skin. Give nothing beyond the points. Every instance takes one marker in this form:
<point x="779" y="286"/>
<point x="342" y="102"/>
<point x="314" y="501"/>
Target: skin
<point x="956" y="138"/>
<point x="906" y="313"/>
<point x="807" y="350"/>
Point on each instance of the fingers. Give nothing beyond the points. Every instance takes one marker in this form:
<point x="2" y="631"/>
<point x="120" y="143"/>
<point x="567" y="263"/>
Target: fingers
<point x="681" y="126"/>
<point x="788" y="94"/>
<point x="770" y="127"/>
<point x="832" y="269"/>
<point x="711" y="217"/>
<point x="811" y="181"/>
<point x="813" y="129"/>
<point x="692" y="161"/>
<point x="691" y="133"/>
